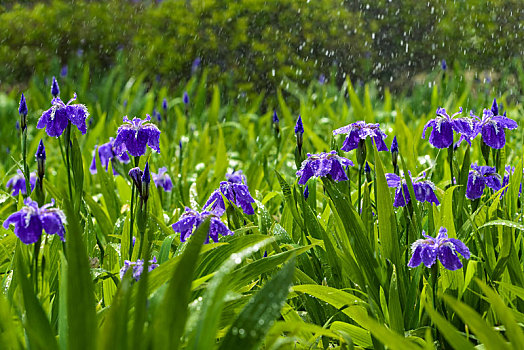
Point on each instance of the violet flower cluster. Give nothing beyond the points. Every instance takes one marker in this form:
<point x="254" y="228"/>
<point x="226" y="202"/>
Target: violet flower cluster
<point x="480" y="177"/>
<point x="323" y="164"/>
<point x="235" y="191"/>
<point x="56" y="118"/>
<point x="134" y="135"/>
<point x="445" y="249"/>
<point x="137" y="267"/>
<point x="17" y="183"/>
<point x="32" y="219"/>
<point x="106" y="153"/>
<point x="424" y="189"/>
<point x="360" y="131"/>
<point x="191" y="219"/>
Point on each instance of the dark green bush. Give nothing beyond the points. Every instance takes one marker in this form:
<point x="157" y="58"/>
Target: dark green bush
<point x="253" y="44"/>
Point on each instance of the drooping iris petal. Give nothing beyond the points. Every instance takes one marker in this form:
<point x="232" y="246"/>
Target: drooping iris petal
<point x="134" y="136"/>
<point x="360" y="131"/>
<point x="444" y="125"/>
<point x="162" y="179"/>
<point x="56" y="118"/>
<point x="479" y="177"/>
<point x="424" y="190"/>
<point x="17" y="183"/>
<point x="192" y="219"/>
<point x="492" y="127"/>
<point x="31" y="219"/>
<point x="323" y="164"/>
<point x="445" y="249"/>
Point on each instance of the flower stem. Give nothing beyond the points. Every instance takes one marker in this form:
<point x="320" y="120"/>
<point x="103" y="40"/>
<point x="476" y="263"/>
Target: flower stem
<point x="137" y="161"/>
<point x="24" y="161"/>
<point x="450" y="160"/>
<point x="359" y="188"/>
<point x="67" y="139"/>
<point x="36" y="251"/>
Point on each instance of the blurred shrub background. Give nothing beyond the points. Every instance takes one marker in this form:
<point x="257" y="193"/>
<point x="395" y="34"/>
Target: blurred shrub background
<point x="258" y="45"/>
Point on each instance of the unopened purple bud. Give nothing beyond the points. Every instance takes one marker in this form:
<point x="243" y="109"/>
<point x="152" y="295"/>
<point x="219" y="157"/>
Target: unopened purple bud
<point x="195" y="65"/>
<point x="136" y="175"/>
<point x="22" y="109"/>
<point x="55" y="90"/>
<point x="275" y="116"/>
<point x="17" y="125"/>
<point x="322" y="79"/>
<point x="40" y="160"/>
<point x="367" y="169"/>
<point x="164" y="104"/>
<point x="133" y="241"/>
<point x="186" y="98"/>
<point x="306" y="192"/>
<point x="495" y="107"/>
<point x="63" y="72"/>
<point x="146" y="180"/>
<point x="394" y="145"/>
<point x="299" y="127"/>
<point x="40" y="151"/>
<point x="443" y="65"/>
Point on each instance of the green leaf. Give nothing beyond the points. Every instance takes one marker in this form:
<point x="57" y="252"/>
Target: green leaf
<point x="108" y="189"/>
<point x="169" y="325"/>
<point x="257" y="317"/>
<point x="204" y="332"/>
<point x="39" y="332"/>
<point x="387" y="221"/>
<point x="452" y="335"/>
<point x="360" y="336"/>
<point x="288" y="195"/>
<point x="113" y="333"/>
<point x="513" y="330"/>
<point x="221" y="155"/>
<point x="485" y="333"/>
<point x="81" y="316"/>
<point x="163" y="255"/>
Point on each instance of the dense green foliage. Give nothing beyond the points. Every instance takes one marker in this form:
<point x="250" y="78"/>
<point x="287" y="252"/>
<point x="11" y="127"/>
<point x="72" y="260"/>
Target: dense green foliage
<point x="254" y="45"/>
<point x="299" y="273"/>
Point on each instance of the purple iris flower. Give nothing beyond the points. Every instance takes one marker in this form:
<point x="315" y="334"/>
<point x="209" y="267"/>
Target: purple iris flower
<point x="237" y="177"/>
<point x="479" y="178"/>
<point x="492" y="126"/>
<point x="444" y="125"/>
<point x="191" y="218"/>
<point x="323" y="164"/>
<point x="137" y="267"/>
<point x="133" y="136"/>
<point x="445" y="249"/>
<point x="162" y="179"/>
<point x="106" y="152"/>
<point x="17" y="183"/>
<point x="56" y="118"/>
<point x="424" y="190"/>
<point x="236" y="191"/>
<point x="360" y="131"/>
<point x="31" y="219"/>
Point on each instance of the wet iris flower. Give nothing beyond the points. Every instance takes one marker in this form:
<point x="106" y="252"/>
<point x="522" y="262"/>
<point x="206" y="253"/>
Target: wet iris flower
<point x="237" y="177"/>
<point x="133" y="137"/>
<point x="137" y="267"/>
<point x="106" y="152"/>
<point x="492" y="126"/>
<point x="360" y="131"/>
<point x="424" y="190"/>
<point x="17" y="183"/>
<point x="31" y="220"/>
<point x="323" y="164"/>
<point x="443" y="126"/>
<point x="235" y="190"/>
<point x="162" y="179"/>
<point x="445" y="249"/>
<point x="56" y="118"/>
<point x="191" y="218"/>
<point x="480" y="177"/>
